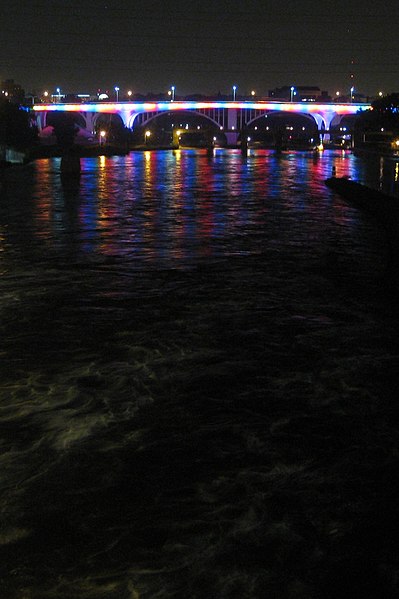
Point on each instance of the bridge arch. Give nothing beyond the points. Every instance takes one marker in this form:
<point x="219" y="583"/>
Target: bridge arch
<point x="213" y="117"/>
<point x="281" y="114"/>
<point x="142" y="119"/>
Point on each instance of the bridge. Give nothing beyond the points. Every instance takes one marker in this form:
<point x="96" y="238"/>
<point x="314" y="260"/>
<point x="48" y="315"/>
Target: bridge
<point x="231" y="117"/>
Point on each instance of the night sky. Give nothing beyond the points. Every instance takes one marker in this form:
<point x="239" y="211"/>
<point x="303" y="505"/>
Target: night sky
<point x="200" y="46"/>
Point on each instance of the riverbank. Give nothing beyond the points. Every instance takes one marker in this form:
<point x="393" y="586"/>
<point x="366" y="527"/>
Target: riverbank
<point x="383" y="208"/>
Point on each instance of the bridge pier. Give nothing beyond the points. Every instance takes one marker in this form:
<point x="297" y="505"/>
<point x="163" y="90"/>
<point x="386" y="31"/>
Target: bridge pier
<point x="232" y="130"/>
<point x="232" y="138"/>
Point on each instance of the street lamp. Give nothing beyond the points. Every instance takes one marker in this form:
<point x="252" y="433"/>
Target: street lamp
<point x="129" y="93"/>
<point x="380" y="94"/>
<point x="102" y="137"/>
<point x="253" y="93"/>
<point x="117" y="93"/>
<point x="234" y="92"/>
<point x="172" y="93"/>
<point x="146" y="136"/>
<point x="292" y="92"/>
<point x="352" y="90"/>
<point x="59" y="94"/>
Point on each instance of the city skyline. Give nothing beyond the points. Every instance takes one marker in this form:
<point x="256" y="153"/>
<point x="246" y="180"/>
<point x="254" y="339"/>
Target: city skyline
<point x="199" y="47"/>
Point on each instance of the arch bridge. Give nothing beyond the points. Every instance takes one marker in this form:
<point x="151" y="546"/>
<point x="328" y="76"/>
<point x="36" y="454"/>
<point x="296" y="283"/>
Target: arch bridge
<point x="231" y="117"/>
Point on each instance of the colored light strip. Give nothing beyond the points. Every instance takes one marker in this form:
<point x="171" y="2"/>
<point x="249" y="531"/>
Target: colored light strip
<point x="138" y="107"/>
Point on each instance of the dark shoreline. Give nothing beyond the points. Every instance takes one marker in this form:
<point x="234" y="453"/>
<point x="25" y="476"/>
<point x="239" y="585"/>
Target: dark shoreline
<point x="383" y="208"/>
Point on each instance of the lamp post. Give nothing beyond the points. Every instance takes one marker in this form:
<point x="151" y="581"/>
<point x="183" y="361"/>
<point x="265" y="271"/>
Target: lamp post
<point x="102" y="137"/>
<point x="234" y="92"/>
<point x="117" y="93"/>
<point x="59" y="94"/>
<point x="129" y="93"/>
<point x="146" y="136"/>
<point x="172" y="90"/>
<point x="292" y="93"/>
<point x="352" y="90"/>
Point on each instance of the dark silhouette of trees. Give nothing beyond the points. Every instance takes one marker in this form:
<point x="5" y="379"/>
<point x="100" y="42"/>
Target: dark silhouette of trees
<point x="65" y="129"/>
<point x="16" y="130"/>
<point x="384" y="114"/>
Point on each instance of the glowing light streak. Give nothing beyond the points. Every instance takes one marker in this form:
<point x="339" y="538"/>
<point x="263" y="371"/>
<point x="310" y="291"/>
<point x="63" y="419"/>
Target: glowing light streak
<point x="113" y="107"/>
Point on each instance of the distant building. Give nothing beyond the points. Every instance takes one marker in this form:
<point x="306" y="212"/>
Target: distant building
<point x="12" y="91"/>
<point x="299" y="93"/>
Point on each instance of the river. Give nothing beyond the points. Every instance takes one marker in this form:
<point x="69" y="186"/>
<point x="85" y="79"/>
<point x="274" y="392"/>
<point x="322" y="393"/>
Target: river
<point x="199" y="377"/>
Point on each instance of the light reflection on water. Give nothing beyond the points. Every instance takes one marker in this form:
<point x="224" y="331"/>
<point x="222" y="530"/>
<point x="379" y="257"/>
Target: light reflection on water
<point x="170" y="207"/>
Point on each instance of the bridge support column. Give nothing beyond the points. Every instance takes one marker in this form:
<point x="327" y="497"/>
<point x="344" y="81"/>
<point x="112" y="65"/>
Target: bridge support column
<point x="90" y="118"/>
<point x="40" y="118"/>
<point x="232" y="133"/>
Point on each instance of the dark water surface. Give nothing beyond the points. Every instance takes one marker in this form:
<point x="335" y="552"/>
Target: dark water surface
<point x="198" y="381"/>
